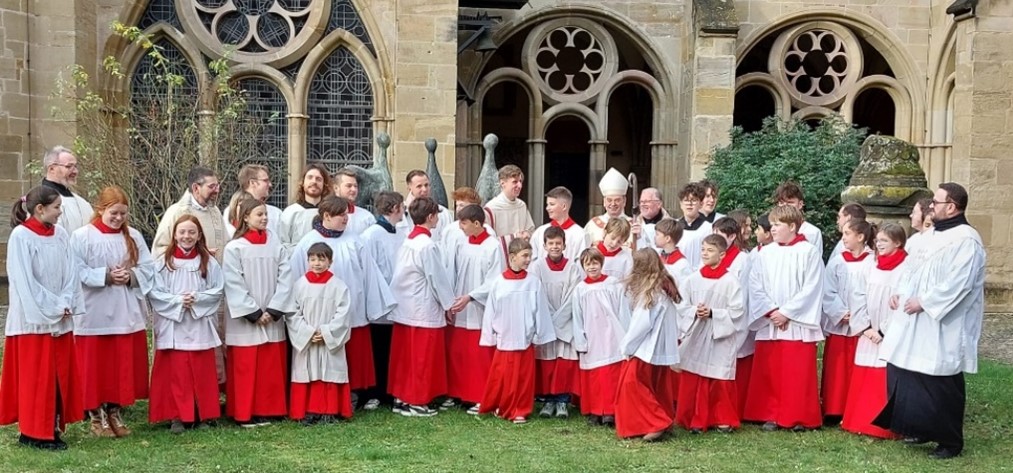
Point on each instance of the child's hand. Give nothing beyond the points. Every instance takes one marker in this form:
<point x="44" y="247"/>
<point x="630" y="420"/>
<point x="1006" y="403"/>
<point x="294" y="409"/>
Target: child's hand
<point x="459" y="304"/>
<point x="188" y="300"/>
<point x="702" y="311"/>
<point x="847" y="317"/>
<point x="67" y="313"/>
<point x="873" y="335"/>
<point x="317" y="337"/>
<point x="894" y="302"/>
<point x="779" y="320"/>
<point x="265" y="319"/>
<point x="450" y="315"/>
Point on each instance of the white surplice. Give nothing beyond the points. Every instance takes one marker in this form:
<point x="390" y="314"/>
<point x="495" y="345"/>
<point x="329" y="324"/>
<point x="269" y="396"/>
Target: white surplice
<point x="576" y="242"/>
<point x="516" y="314"/>
<point x="475" y="264"/>
<point x="175" y="327"/>
<point x="710" y="345"/>
<point x="359" y="219"/>
<point x="296" y="222"/>
<point x="788" y="278"/>
<point x="383" y="246"/>
<point x="558" y="286"/>
<point x="508" y="217"/>
<point x="691" y="243"/>
<point x="844" y="292"/>
<point x="653" y="333"/>
<point x="324" y="307"/>
<point x="42" y="281"/>
<point x="111" y="309"/>
<point x="812" y="234"/>
<point x="257" y="278"/>
<point x="599" y="324"/>
<point x="421" y="286"/>
<point x="880" y="286"/>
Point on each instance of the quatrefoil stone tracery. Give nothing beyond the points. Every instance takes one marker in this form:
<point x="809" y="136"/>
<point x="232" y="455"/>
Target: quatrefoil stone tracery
<point x="570" y="59"/>
<point x="817" y="64"/>
<point x="264" y="31"/>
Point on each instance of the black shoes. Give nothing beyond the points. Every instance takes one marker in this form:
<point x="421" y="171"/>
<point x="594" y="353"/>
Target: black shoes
<point x="55" y="444"/>
<point x="943" y="452"/>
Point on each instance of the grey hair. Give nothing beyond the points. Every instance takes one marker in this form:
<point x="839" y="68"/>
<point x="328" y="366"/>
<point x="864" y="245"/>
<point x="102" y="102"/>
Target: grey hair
<point x="53" y="155"/>
<point x="657" y="193"/>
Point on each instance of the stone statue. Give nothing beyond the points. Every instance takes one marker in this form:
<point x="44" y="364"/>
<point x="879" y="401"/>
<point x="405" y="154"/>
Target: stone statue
<point x="437" y="190"/>
<point x="488" y="179"/>
<point x="377" y="178"/>
<point x="888" y="180"/>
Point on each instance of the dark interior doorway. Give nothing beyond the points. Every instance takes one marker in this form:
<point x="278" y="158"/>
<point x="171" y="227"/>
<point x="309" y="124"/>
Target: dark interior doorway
<point x="568" y="162"/>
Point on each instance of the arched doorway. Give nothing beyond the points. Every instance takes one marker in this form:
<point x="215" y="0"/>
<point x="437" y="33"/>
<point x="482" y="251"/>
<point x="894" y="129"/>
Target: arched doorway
<point x="568" y="162"/>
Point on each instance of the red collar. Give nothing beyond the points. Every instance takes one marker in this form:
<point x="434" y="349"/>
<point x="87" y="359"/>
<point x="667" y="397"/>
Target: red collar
<point x="892" y="260"/>
<point x="607" y="253"/>
<point x="510" y="274"/>
<point x="351" y="208"/>
<point x="38" y="227"/>
<point x="565" y="225"/>
<point x="798" y="239"/>
<point x="714" y="273"/>
<point x="257" y="237"/>
<point x="181" y="255"/>
<point x="672" y="257"/>
<point x="321" y="278"/>
<point x="850" y="258"/>
<point x="420" y="230"/>
<point x="595" y="281"/>
<point x="729" y="258"/>
<point x="103" y="228"/>
<point x="478" y="239"/>
<point x="553" y="266"/>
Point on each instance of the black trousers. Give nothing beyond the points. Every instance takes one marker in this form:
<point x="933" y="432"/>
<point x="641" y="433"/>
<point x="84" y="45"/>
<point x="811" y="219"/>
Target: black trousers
<point x="924" y="406"/>
<point x="380" y="335"/>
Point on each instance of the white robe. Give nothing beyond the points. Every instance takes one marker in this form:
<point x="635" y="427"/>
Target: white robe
<point x="691" y="243"/>
<point x="790" y="279"/>
<point x="475" y="265"/>
<point x="647" y="231"/>
<point x="273" y="221"/>
<point x="618" y="266"/>
<point x="323" y="307"/>
<point x="192" y="329"/>
<point x="211" y="221"/>
<point x="710" y="345"/>
<point x="844" y="291"/>
<point x="77" y="213"/>
<point x="383" y="246"/>
<point x="453" y="238"/>
<point x="653" y="333"/>
<point x="516" y="314"/>
<point x="595" y="229"/>
<point x="43" y="282"/>
<point x="359" y="221"/>
<point x="445" y="218"/>
<point x="742" y="266"/>
<point x="679" y="270"/>
<point x="812" y="234"/>
<point x="256" y="278"/>
<point x="296" y="222"/>
<point x="881" y="285"/>
<point x="371" y="295"/>
<point x="598" y="323"/>
<point x="421" y="287"/>
<point x="508" y="217"/>
<point x="112" y="309"/>
<point x="942" y="339"/>
<point x="558" y="287"/>
<point x="576" y="242"/>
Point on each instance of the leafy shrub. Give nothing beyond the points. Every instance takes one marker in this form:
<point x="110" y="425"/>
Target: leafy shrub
<point x="821" y="160"/>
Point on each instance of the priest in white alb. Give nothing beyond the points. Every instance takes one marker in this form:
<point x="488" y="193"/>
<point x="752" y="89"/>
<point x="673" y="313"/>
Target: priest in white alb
<point x="61" y="175"/>
<point x="613" y="187"/>
<point x="508" y="214"/>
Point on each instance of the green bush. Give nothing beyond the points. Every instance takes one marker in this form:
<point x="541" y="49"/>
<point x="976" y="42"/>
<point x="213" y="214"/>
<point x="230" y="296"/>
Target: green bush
<point x="821" y="160"/>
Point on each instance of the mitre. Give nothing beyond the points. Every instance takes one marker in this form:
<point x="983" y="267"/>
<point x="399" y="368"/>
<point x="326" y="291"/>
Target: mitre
<point x="613" y="183"/>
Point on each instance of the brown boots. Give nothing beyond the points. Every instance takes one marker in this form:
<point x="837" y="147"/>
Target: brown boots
<point x="108" y="423"/>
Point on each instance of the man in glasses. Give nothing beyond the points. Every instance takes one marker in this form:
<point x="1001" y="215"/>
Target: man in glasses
<point x="199" y="200"/>
<point x="255" y="180"/>
<point x="61" y="174"/>
<point x="652" y="211"/>
<point x="932" y="339"/>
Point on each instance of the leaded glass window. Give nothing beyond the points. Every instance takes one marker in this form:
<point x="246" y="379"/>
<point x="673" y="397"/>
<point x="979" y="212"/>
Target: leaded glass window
<point x="340" y="108"/>
<point x="266" y="105"/>
<point x="343" y="16"/>
<point x="160" y="10"/>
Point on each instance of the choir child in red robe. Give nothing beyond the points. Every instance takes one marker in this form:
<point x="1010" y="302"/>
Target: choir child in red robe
<point x="187" y="293"/>
<point x="116" y="271"/>
<point x="598" y="330"/>
<point x="785" y="291"/>
<point x="844" y="301"/>
<point x="739" y="259"/>
<point x="319" y="330"/>
<point x="40" y="388"/>
<point x="644" y="401"/>
<point x="712" y="324"/>
<point x="257" y="291"/>
<point x="667" y="234"/>
<point x="618" y="258"/>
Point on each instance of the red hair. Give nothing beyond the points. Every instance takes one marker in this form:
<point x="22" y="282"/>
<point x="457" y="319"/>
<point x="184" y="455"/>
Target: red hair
<point x="201" y="246"/>
<point x="109" y="197"/>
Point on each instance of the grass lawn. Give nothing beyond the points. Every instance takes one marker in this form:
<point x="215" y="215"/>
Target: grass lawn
<point x="454" y="441"/>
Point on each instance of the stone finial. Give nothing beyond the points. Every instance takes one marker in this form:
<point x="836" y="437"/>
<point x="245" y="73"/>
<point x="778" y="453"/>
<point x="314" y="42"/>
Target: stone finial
<point x="888" y="180"/>
<point x="490" y="143"/>
<point x="488" y="178"/>
<point x="437" y="190"/>
<point x="383" y="140"/>
<point x="431" y="145"/>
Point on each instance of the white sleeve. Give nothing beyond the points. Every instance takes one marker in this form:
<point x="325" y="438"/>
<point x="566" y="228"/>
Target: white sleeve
<point x="89" y="276"/>
<point x="726" y="321"/>
<point x="207" y="302"/>
<point x="809" y="295"/>
<point x="40" y="306"/>
<point x="240" y="302"/>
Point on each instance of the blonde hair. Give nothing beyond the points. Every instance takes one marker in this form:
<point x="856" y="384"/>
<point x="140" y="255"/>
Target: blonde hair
<point x="787" y="215"/>
<point x="618" y="227"/>
<point x="648" y="281"/>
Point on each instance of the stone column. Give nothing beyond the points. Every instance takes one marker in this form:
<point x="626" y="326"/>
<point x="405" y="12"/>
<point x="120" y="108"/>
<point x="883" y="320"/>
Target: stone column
<point x="713" y="95"/>
<point x="297" y="123"/>
<point x="536" y="180"/>
<point x="665" y="164"/>
<point x="599" y="152"/>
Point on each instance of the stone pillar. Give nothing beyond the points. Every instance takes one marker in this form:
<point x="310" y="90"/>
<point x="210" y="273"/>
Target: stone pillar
<point x="536" y="179"/>
<point x="983" y="137"/>
<point x="888" y="181"/>
<point x="713" y="94"/>
<point x="297" y="123"/>
<point x="664" y="163"/>
<point x="599" y="152"/>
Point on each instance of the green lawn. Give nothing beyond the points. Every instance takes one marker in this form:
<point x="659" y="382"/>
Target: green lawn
<point x="454" y="441"/>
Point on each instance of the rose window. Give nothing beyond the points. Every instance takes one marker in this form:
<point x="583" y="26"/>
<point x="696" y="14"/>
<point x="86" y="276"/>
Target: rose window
<point x="570" y="59"/>
<point x="267" y="31"/>
<point x="817" y="65"/>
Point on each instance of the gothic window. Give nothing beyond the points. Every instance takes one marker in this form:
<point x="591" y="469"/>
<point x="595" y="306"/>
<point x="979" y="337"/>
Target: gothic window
<point x="343" y="16"/>
<point x="267" y="106"/>
<point x="160" y="10"/>
<point x="340" y="107"/>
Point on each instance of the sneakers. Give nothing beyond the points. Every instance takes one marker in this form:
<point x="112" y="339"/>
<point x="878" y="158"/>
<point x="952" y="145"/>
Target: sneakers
<point x="547" y="409"/>
<point x="100" y="424"/>
<point x="654" y="436"/>
<point x="254" y="423"/>
<point x="562" y="411"/>
<point x="769" y="427"/>
<point x="473" y="410"/>
<point x="177" y="427"/>
<point x="371" y="405"/>
<point x="310" y="419"/>
<point x="609" y="421"/>
<point x="725" y="429"/>
<point x="450" y="403"/>
<point x="593" y="420"/>
<point x="409" y="410"/>
<point x="519" y="420"/>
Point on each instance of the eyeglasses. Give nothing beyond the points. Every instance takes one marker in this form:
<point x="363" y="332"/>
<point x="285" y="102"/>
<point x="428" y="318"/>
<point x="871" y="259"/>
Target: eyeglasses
<point x="936" y="202"/>
<point x="268" y="180"/>
<point x="67" y="166"/>
<point x="647" y="202"/>
<point x="691" y="202"/>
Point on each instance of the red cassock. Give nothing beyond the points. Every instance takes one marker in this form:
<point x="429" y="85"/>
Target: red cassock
<point x="510" y="391"/>
<point x="559" y="376"/>
<point x="321" y="398"/>
<point x="598" y="389"/>
<point x="114" y="368"/>
<point x="34" y="367"/>
<point x="644" y="401"/>
<point x="743" y="371"/>
<point x="783" y="387"/>
<point x="418" y="364"/>
<point x="181" y="380"/>
<point x="838" y="362"/>
<point x="359" y="355"/>
<point x="468" y="364"/>
<point x="258" y="378"/>
<point x="706" y="402"/>
<point x="866" y="400"/>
